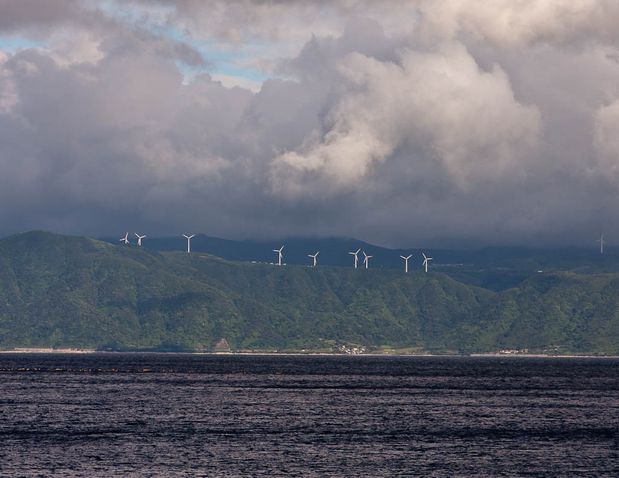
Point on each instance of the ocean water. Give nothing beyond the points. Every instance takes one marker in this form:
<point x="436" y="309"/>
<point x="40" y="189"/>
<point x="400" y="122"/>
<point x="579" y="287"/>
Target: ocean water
<point x="204" y="415"/>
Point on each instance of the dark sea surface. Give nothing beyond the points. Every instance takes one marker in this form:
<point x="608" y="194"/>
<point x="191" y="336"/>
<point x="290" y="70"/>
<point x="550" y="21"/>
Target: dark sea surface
<point x="206" y="415"/>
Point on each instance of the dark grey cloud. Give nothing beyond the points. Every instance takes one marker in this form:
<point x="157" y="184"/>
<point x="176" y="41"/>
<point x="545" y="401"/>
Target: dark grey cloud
<point x="400" y="123"/>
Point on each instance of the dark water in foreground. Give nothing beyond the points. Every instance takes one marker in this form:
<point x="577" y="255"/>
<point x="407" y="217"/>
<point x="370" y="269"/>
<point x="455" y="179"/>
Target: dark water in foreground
<point x="188" y="415"/>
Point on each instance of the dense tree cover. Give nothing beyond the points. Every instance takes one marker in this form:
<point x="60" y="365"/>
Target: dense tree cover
<point x="60" y="291"/>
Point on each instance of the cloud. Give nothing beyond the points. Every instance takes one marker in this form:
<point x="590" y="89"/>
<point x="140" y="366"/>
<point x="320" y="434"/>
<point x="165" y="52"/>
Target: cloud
<point x="231" y="81"/>
<point x="8" y="95"/>
<point x="15" y="15"/>
<point x="115" y="135"/>
<point x="606" y="142"/>
<point x="521" y="23"/>
<point x="438" y="104"/>
<point x="481" y="121"/>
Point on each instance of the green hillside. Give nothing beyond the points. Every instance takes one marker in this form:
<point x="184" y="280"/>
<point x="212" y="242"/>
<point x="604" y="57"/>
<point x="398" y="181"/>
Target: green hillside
<point x="60" y="291"/>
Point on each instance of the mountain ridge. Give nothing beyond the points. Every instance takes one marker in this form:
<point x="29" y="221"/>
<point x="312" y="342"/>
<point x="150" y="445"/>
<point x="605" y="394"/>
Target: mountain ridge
<point x="68" y="291"/>
<point x="495" y="268"/>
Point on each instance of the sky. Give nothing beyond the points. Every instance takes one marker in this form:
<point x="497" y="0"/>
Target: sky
<point x="404" y="123"/>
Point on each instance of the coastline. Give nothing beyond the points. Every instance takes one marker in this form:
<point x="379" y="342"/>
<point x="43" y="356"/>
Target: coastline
<point x="543" y="355"/>
<point x="43" y="350"/>
<point x="66" y="351"/>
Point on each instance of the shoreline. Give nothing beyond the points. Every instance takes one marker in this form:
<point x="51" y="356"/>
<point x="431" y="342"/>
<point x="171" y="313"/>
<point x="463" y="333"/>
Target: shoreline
<point x="70" y="351"/>
<point x="43" y="350"/>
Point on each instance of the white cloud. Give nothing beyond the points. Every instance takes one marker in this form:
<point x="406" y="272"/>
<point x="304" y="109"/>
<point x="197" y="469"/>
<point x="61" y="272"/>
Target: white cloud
<point x="8" y="91"/>
<point x="439" y="104"/>
<point x="522" y="22"/>
<point x="231" y="81"/>
<point x="73" y="45"/>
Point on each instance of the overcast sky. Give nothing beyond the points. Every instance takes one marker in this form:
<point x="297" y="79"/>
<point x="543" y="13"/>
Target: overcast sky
<point x="404" y="123"/>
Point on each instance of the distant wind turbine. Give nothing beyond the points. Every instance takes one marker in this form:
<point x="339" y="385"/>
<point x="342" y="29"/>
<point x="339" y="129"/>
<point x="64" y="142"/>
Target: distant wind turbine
<point x="406" y="261"/>
<point x="188" y="241"/>
<point x="314" y="256"/>
<point x="426" y="260"/>
<point x="279" y="255"/>
<point x="366" y="260"/>
<point x="139" y="238"/>
<point x="356" y="254"/>
<point x="125" y="239"/>
<point x="601" y="241"/>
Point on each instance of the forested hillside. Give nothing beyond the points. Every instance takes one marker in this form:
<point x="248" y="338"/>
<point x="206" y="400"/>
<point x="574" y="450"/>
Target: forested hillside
<point x="61" y="291"/>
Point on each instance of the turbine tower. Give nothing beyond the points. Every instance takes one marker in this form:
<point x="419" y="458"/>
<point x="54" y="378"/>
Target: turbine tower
<point x="314" y="256"/>
<point x="125" y="239"/>
<point x="406" y="262"/>
<point x="426" y="260"/>
<point x="188" y="241"/>
<point x="279" y="255"/>
<point x="366" y="260"/>
<point x="601" y="241"/>
<point x="356" y="254"/>
<point x="139" y="238"/>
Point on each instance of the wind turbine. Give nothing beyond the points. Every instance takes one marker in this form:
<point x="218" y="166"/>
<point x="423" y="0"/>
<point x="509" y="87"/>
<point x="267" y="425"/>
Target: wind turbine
<point x="366" y="260"/>
<point x="125" y="239"/>
<point x="139" y="238"/>
<point x="314" y="256"/>
<point x="426" y="260"/>
<point x="601" y="241"/>
<point x="356" y="254"/>
<point x="188" y="241"/>
<point x="406" y="262"/>
<point x="279" y="255"/>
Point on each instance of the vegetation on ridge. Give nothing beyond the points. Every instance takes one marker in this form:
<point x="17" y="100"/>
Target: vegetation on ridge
<point x="60" y="291"/>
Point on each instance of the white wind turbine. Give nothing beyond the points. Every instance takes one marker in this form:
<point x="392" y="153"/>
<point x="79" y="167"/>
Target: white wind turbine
<point x="280" y="255"/>
<point x="314" y="256"/>
<point x="366" y="260"/>
<point x="426" y="260"/>
<point x="601" y="241"/>
<point x="356" y="254"/>
<point x="125" y="239"/>
<point x="188" y="241"/>
<point x="139" y="238"/>
<point x="406" y="258"/>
